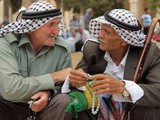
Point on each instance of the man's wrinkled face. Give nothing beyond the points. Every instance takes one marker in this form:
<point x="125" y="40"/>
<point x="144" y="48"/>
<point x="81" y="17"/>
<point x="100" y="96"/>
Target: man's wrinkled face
<point x="47" y="34"/>
<point x="109" y="39"/>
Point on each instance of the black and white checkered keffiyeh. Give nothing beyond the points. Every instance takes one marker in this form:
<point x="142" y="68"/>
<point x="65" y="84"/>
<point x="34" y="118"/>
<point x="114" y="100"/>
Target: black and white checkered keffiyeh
<point x="29" y="25"/>
<point x="132" y="37"/>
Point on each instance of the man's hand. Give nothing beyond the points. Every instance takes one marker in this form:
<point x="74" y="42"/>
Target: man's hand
<point x="61" y="75"/>
<point x="40" y="100"/>
<point x="78" y="78"/>
<point x="106" y="84"/>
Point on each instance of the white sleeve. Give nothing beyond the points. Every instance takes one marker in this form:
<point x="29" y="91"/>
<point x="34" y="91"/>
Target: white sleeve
<point x="135" y="91"/>
<point x="66" y="84"/>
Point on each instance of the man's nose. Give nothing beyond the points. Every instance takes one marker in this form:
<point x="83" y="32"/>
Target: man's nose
<point x="101" y="34"/>
<point x="55" y="30"/>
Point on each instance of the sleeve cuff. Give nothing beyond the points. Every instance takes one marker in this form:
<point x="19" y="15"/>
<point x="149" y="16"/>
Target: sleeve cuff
<point x="46" y="81"/>
<point x="135" y="91"/>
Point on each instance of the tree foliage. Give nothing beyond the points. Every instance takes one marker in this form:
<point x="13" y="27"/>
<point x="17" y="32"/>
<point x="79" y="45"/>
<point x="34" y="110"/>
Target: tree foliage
<point x="154" y="4"/>
<point x="98" y="6"/>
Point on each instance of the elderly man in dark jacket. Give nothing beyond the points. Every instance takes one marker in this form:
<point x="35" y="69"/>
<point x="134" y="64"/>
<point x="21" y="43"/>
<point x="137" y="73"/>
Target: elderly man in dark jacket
<point x="111" y="58"/>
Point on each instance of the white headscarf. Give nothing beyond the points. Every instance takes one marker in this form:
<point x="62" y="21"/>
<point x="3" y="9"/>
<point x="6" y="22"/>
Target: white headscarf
<point x="124" y="23"/>
<point x="26" y="25"/>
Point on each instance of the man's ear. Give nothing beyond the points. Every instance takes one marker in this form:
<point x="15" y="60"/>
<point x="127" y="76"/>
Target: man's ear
<point x="124" y="43"/>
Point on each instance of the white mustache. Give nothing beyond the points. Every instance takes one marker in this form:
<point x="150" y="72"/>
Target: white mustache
<point x="54" y="36"/>
<point x="102" y="41"/>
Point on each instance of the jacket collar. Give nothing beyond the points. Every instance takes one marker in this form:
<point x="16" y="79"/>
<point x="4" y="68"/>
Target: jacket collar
<point x="131" y="62"/>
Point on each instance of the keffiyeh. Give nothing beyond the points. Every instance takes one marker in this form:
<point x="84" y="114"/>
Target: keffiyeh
<point x="44" y="10"/>
<point x="124" y="23"/>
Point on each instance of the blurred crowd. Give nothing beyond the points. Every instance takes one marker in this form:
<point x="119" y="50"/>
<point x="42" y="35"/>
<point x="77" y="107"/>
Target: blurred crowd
<point x="77" y="33"/>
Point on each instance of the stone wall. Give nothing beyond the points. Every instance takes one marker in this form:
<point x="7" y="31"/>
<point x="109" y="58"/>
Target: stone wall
<point x="137" y="7"/>
<point x="1" y="11"/>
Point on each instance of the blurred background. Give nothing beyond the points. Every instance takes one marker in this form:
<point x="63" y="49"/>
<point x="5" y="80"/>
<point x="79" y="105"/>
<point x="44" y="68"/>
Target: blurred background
<point x="10" y="8"/>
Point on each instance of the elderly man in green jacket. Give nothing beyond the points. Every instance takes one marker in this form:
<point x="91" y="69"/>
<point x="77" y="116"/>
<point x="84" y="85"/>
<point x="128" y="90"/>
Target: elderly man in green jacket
<point x="34" y="63"/>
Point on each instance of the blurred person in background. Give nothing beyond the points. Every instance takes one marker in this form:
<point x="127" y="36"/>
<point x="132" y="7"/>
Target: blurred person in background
<point x="81" y="35"/>
<point x="146" y="20"/>
<point x="87" y="18"/>
<point x="74" y="22"/>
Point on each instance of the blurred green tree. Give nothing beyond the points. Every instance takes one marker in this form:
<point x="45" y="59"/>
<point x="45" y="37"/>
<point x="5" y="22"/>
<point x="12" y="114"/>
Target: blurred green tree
<point x="154" y="4"/>
<point x="98" y="6"/>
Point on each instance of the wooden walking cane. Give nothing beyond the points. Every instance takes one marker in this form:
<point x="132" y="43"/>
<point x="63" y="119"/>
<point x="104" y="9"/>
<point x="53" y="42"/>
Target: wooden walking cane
<point x="143" y="57"/>
<point x="145" y="48"/>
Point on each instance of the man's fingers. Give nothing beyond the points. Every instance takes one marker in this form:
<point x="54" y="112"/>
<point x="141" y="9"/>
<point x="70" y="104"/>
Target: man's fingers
<point x="78" y="73"/>
<point x="99" y="77"/>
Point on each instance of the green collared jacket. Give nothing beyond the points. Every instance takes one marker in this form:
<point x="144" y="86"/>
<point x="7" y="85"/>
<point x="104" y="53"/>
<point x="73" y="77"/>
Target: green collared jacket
<point x="23" y="73"/>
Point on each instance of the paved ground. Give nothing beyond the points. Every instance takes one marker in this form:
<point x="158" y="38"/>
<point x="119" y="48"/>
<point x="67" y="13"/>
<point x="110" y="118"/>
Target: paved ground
<point x="76" y="57"/>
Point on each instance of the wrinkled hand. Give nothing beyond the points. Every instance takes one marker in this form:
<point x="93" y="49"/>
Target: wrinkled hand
<point x="40" y="100"/>
<point x="60" y="76"/>
<point x="78" y="78"/>
<point x="106" y="84"/>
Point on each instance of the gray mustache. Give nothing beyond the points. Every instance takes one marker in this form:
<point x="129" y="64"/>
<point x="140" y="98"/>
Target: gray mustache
<point x="101" y="41"/>
<point x="54" y="36"/>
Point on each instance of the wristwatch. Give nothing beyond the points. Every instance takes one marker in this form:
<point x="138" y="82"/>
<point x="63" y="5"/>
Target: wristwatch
<point x="125" y="93"/>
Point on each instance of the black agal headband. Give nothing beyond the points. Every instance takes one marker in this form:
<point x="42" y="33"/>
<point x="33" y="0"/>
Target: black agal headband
<point x="41" y="14"/>
<point x="121" y="24"/>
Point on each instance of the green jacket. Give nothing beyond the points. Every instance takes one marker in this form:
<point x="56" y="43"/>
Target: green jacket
<point x="22" y="73"/>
